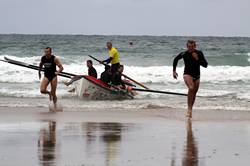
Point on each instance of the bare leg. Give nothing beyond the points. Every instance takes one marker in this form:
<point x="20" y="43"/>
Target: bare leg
<point x="196" y="88"/>
<point x="53" y="89"/>
<point x="192" y="90"/>
<point x="43" y="87"/>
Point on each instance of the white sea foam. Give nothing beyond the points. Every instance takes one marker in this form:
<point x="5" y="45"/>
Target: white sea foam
<point x="157" y="77"/>
<point x="244" y="96"/>
<point x="222" y="107"/>
<point x="30" y="93"/>
<point x="151" y="74"/>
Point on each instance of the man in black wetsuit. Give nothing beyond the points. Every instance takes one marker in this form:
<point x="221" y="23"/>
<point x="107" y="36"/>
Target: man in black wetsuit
<point x="91" y="70"/>
<point x="193" y="59"/>
<point x="117" y="78"/>
<point x="106" y="75"/>
<point x="49" y="62"/>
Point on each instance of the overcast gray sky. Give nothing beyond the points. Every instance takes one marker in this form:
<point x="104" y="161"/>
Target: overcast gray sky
<point x="126" y="17"/>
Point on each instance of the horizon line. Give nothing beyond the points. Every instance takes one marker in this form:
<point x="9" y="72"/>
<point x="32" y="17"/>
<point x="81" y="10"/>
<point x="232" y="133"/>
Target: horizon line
<point x="149" y="35"/>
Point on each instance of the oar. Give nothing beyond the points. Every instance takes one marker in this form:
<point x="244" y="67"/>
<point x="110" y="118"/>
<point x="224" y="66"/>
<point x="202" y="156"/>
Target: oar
<point x="32" y="67"/>
<point x="157" y="91"/>
<point x="122" y="74"/>
<point x="135" y="81"/>
<point x="95" y="59"/>
<point x="29" y="65"/>
<point x="73" y="79"/>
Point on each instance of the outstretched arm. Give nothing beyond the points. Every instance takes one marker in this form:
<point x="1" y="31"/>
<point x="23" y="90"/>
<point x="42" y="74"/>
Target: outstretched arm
<point x="108" y="60"/>
<point x="111" y="56"/>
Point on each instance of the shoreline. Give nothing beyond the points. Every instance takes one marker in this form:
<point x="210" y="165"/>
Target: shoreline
<point x="9" y="114"/>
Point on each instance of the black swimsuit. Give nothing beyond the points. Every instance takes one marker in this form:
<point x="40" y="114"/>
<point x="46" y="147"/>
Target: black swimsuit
<point x="49" y="67"/>
<point x="192" y="66"/>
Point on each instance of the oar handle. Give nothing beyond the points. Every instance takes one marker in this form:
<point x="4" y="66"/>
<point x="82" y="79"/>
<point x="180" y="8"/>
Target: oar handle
<point x="135" y="81"/>
<point x="157" y="91"/>
<point x="96" y="59"/>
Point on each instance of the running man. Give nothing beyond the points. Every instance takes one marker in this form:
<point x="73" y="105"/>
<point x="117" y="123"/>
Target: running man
<point x="49" y="62"/>
<point x="193" y="59"/>
<point x="113" y="58"/>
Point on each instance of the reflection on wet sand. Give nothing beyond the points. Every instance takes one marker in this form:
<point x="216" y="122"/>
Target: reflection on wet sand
<point x="47" y="144"/>
<point x="190" y="157"/>
<point x="101" y="143"/>
<point x="110" y="134"/>
<point x="90" y="129"/>
<point x="112" y="138"/>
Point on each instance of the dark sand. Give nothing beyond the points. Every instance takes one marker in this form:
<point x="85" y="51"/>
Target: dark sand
<point x="149" y="137"/>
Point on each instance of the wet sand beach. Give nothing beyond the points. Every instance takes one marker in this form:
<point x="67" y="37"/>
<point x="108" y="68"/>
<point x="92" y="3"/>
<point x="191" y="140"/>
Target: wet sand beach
<point x="34" y="136"/>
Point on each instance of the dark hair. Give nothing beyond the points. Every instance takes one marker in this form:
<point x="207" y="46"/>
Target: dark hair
<point x="48" y="48"/>
<point x="109" y="42"/>
<point x="90" y="61"/>
<point x="121" y="66"/>
<point x="191" y="42"/>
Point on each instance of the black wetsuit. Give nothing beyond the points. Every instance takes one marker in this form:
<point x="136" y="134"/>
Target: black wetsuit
<point x="114" y="67"/>
<point x="106" y="76"/>
<point x="117" y="79"/>
<point x="92" y="72"/>
<point x="192" y="66"/>
<point x="49" y="67"/>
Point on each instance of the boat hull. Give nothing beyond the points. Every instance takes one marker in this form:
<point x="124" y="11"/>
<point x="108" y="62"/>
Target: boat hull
<point x="90" y="88"/>
<point x="87" y="87"/>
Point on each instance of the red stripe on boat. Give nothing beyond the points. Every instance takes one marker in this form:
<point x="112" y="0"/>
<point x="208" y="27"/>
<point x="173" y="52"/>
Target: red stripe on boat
<point x="97" y="81"/>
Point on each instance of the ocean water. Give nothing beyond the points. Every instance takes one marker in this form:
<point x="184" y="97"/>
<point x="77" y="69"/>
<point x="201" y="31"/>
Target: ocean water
<point x="225" y="84"/>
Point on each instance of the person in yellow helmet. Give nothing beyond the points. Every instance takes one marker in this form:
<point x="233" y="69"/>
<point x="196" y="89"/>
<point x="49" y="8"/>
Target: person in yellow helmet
<point x="114" y="58"/>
